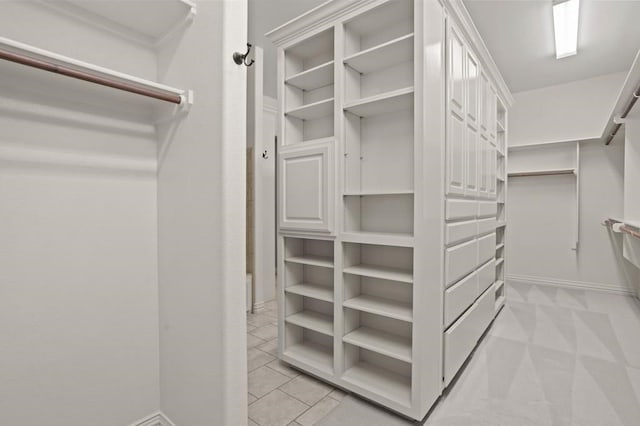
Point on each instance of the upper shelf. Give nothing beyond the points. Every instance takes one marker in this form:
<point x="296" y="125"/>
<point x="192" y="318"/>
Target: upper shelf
<point x="392" y="52"/>
<point x="313" y="78"/>
<point x="139" y="20"/>
<point x="59" y="75"/>
<point x="382" y="104"/>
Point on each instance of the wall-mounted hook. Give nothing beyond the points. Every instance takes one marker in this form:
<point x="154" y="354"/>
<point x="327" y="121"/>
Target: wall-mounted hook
<point x="241" y="58"/>
<point x="265" y="155"/>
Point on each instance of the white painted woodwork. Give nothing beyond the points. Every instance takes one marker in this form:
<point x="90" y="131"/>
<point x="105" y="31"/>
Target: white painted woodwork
<point x="395" y="89"/>
<point x="486" y="275"/>
<point x="307" y="187"/>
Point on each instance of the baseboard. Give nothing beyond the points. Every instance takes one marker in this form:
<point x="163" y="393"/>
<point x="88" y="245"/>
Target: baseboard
<point x="582" y="285"/>
<point x="156" y="419"/>
<point x="258" y="307"/>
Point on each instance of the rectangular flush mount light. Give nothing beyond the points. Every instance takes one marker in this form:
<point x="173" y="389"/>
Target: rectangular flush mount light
<point x="565" y="26"/>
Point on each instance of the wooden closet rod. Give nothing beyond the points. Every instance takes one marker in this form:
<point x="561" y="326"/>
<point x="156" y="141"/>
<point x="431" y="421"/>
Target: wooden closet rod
<point x="627" y="110"/>
<point x="69" y="72"/>
<point x="623" y="228"/>
<point x="542" y="173"/>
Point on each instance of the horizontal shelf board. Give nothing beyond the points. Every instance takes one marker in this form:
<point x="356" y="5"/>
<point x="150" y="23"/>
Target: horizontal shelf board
<point x="313" y="141"/>
<point x="316" y="355"/>
<point x="499" y="261"/>
<point x="381" y="192"/>
<point x="382" y="238"/>
<point x="499" y="284"/>
<point x="499" y="246"/>
<point x="383" y="272"/>
<point x="382" y="104"/>
<point x="500" y="126"/>
<point x="312" y="321"/>
<point x="315" y="110"/>
<point x="379" y="306"/>
<point x="308" y="259"/>
<point x="313" y="78"/>
<point x="134" y="15"/>
<point x="501" y="224"/>
<point x="548" y="172"/>
<point x="378" y="57"/>
<point x="500" y="302"/>
<point x="390" y="385"/>
<point x="388" y="344"/>
<point x="501" y="179"/>
<point x="320" y="292"/>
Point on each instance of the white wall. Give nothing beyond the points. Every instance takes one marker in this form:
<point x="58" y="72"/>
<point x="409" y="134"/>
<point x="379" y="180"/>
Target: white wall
<point x="572" y="111"/>
<point x="78" y="237"/>
<point x="265" y="15"/>
<point x="540" y="210"/>
<point x="201" y="202"/>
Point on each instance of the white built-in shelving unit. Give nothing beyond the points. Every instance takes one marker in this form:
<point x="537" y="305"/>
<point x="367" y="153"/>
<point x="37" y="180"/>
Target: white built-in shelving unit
<point x="371" y="300"/>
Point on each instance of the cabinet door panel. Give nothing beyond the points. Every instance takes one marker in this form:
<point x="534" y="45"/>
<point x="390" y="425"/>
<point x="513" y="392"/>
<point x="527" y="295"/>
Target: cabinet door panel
<point x="456" y="155"/>
<point x="483" y="167"/>
<point x="472" y="89"/>
<point x="492" y="175"/>
<point x="456" y="71"/>
<point x="484" y="108"/>
<point x="306" y="188"/>
<point x="471" y="181"/>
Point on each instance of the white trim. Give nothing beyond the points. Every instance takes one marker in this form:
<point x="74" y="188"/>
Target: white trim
<point x="461" y="16"/>
<point x="155" y="419"/>
<point x="583" y="285"/>
<point x="258" y="307"/>
<point x="270" y="104"/>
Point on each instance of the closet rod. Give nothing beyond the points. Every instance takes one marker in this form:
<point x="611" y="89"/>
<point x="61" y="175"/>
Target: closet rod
<point x="542" y="173"/>
<point x="634" y="97"/>
<point x="69" y="72"/>
<point x="624" y="228"/>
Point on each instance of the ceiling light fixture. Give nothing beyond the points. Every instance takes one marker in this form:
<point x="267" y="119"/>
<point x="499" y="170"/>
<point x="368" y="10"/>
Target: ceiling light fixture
<point x="565" y="26"/>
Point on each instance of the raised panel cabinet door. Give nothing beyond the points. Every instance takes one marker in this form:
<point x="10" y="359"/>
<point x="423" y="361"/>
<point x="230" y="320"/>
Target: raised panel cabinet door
<point x="493" y="99"/>
<point x="306" y="182"/>
<point x="472" y="89"/>
<point x="471" y="179"/>
<point x="456" y="155"/>
<point x="492" y="174"/>
<point x="483" y="166"/>
<point x="483" y="102"/>
<point x="455" y="72"/>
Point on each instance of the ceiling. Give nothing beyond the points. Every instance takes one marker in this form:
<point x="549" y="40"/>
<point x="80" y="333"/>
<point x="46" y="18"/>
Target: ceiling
<point x="519" y="35"/>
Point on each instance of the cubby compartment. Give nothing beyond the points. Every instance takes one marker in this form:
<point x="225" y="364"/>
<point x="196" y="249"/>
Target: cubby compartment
<point x="379" y="296"/>
<point x="379" y="374"/>
<point x="378" y="26"/>
<point x="310" y="281"/>
<point x="381" y="142"/>
<point x="379" y="261"/>
<point x="306" y="251"/>
<point x="309" y="89"/>
<point x="310" y="313"/>
<point x="383" y="214"/>
<point x="379" y="334"/>
<point x="310" y="347"/>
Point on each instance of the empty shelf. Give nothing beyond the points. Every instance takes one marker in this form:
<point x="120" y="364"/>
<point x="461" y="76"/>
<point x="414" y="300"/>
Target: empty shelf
<point x="501" y="224"/>
<point x="382" y="272"/>
<point x="320" y="292"/>
<point x="308" y="259"/>
<point x="377" y="305"/>
<point x="388" y="344"/>
<point x="499" y="246"/>
<point x="499" y="261"/>
<point x="316" y="355"/>
<point x="380" y="192"/>
<point x="499" y="303"/>
<point x="382" y="104"/>
<point x="313" y="321"/>
<point x="390" y="385"/>
<point x="313" y="78"/>
<point x="390" y="53"/>
<point x="315" y="110"/>
<point x="382" y="238"/>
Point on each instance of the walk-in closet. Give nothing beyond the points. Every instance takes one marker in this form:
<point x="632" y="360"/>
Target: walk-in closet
<point x="319" y="212"/>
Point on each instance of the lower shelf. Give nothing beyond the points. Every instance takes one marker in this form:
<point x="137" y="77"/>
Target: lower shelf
<point x="388" y="344"/>
<point x="313" y="321"/>
<point x="316" y="355"/>
<point x="383" y="382"/>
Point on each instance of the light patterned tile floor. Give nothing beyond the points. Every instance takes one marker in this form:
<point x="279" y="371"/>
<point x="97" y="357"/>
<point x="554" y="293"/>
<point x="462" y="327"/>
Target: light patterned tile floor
<point x="278" y="394"/>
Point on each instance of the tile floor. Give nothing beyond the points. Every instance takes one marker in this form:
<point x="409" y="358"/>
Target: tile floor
<point x="278" y="394"/>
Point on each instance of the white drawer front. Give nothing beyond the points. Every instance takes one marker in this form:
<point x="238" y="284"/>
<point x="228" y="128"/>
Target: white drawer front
<point x="459" y="297"/>
<point x="486" y="275"/>
<point x="460" y="231"/>
<point x="486" y="247"/>
<point x="462" y="336"/>
<point x="461" y="209"/>
<point x="486" y="225"/>
<point x="460" y="260"/>
<point x="487" y="209"/>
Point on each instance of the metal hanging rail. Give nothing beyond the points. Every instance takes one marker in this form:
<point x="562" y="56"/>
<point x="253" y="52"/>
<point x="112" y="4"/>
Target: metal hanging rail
<point x="625" y="112"/>
<point x="543" y="173"/>
<point x="624" y="228"/>
<point x="23" y="54"/>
